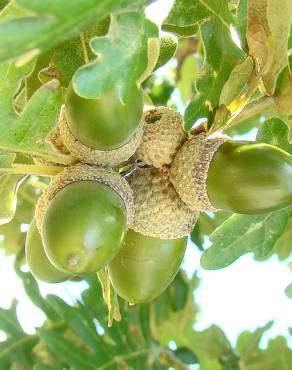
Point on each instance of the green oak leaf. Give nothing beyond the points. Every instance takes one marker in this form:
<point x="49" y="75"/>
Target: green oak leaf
<point x="236" y="82"/>
<point x="188" y="72"/>
<point x="45" y="23"/>
<point x="8" y="192"/>
<point x="248" y="347"/>
<point x="185" y="23"/>
<point x="27" y="133"/>
<point x="268" y="29"/>
<point x="277" y="355"/>
<point x="241" y="23"/>
<point x="122" y="57"/>
<point x="275" y="132"/>
<point x="283" y="95"/>
<point x="10" y="80"/>
<point x="69" y="56"/>
<point x="11" y="238"/>
<point x="288" y="291"/>
<point x="222" y="55"/>
<point x="283" y="246"/>
<point x="241" y="234"/>
<point x="17" y="349"/>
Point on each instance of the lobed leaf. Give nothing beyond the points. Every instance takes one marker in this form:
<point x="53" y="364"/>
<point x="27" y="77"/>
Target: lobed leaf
<point x="28" y="132"/>
<point x="17" y="349"/>
<point x="122" y="57"/>
<point x="275" y="132"/>
<point x="241" y="23"/>
<point x="45" y="23"/>
<point x="277" y="355"/>
<point x="268" y="29"/>
<point x="283" y="95"/>
<point x="221" y="56"/>
<point x="241" y="234"/>
<point x="236" y="82"/>
<point x="288" y="291"/>
<point x="184" y="23"/>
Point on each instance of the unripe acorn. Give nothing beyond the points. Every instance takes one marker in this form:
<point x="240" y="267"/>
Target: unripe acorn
<point x="168" y="47"/>
<point x="159" y="211"/>
<point x="83" y="218"/>
<point x="145" y="266"/>
<point x="211" y="173"/>
<point x="37" y="260"/>
<point x="163" y="135"/>
<point x="85" y="154"/>
<point x="104" y="131"/>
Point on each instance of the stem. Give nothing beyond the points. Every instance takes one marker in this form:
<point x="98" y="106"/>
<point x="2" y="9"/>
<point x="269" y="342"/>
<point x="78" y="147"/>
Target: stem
<point x="29" y="169"/>
<point x="57" y="158"/>
<point x="168" y="358"/>
<point x="84" y="48"/>
<point x="264" y="105"/>
<point x="21" y="342"/>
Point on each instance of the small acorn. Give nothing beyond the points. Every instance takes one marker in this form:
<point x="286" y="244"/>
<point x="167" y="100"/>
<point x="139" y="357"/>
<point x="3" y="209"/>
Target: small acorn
<point x="168" y="47"/>
<point x="189" y="170"/>
<point x="159" y="211"/>
<point x="37" y="260"/>
<point x="83" y="217"/>
<point x="162" y="137"/>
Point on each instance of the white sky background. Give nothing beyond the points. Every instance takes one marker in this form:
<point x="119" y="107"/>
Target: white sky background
<point x="243" y="296"/>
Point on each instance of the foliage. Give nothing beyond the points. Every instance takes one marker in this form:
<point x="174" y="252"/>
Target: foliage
<point x="228" y="86"/>
<point x="77" y="336"/>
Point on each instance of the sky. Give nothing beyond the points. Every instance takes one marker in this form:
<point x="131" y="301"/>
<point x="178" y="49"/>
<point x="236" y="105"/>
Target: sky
<point x="243" y="296"/>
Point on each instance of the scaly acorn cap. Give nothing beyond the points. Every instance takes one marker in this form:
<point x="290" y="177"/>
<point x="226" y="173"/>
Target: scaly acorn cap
<point x="85" y="154"/>
<point x="189" y="170"/>
<point x="84" y="172"/>
<point x="159" y="211"/>
<point x="162" y="137"/>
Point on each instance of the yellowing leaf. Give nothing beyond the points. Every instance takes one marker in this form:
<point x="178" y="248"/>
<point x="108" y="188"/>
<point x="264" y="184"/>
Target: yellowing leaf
<point x="268" y="29"/>
<point x="236" y="82"/>
<point x="122" y="57"/>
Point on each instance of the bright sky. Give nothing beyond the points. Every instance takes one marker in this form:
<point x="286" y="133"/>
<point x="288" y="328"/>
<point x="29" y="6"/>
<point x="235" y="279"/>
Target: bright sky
<point x="244" y="296"/>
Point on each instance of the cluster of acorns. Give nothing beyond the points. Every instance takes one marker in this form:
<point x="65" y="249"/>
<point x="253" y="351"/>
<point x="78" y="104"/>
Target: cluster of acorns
<point x="91" y="216"/>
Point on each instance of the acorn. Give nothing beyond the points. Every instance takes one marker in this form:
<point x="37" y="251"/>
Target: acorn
<point x="104" y="131"/>
<point x="83" y="217"/>
<point x="156" y="260"/>
<point x="37" y="260"/>
<point x="189" y="170"/>
<point x="163" y="135"/>
<point x="168" y="47"/>
<point x="159" y="211"/>
<point x="109" y="158"/>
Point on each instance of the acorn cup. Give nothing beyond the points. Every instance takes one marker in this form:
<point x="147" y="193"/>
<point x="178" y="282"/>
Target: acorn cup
<point x="163" y="135"/>
<point x="83" y="218"/>
<point x="159" y="211"/>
